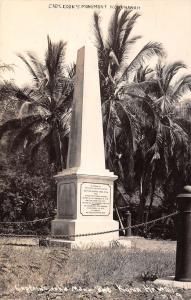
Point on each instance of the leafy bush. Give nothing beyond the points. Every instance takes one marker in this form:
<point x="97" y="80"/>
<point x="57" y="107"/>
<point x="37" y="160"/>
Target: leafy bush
<point x="26" y="197"/>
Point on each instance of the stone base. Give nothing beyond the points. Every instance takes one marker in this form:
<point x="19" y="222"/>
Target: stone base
<point x="74" y="227"/>
<point x="169" y="281"/>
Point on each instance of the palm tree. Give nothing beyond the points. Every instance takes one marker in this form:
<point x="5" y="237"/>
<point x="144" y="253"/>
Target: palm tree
<point x="45" y="106"/>
<point x="120" y="114"/>
<point x="163" y="150"/>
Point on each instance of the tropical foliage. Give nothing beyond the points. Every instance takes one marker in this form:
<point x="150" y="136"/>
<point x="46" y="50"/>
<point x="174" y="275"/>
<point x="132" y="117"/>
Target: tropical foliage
<point x="145" y="144"/>
<point x="146" y="124"/>
<point x="120" y="113"/>
<point x="163" y="151"/>
<point x="45" y="105"/>
<point x="25" y="197"/>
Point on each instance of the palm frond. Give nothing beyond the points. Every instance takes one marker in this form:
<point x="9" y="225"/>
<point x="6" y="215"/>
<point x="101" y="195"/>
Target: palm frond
<point x="30" y="68"/>
<point x="23" y="94"/>
<point x="18" y="123"/>
<point x="136" y="88"/>
<point x="185" y="124"/>
<point x="125" y="42"/>
<point x="142" y="73"/>
<point x="7" y="90"/>
<point x="97" y="32"/>
<point x="38" y="66"/>
<point x="171" y="70"/>
<point x="65" y="123"/>
<point x="24" y="133"/>
<point x="55" y="56"/>
<point x="120" y="28"/>
<point x="126" y="124"/>
<point x="55" y="67"/>
<point x="71" y="70"/>
<point x="4" y="67"/>
<point x="133" y="40"/>
<point x="113" y="30"/>
<point x="148" y="51"/>
<point x="180" y="135"/>
<point x="42" y="138"/>
<point x="143" y="109"/>
<point x="165" y="104"/>
<point x="182" y="86"/>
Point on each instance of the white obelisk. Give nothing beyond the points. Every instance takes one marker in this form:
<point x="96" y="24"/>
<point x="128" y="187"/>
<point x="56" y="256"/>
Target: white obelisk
<point x="85" y="188"/>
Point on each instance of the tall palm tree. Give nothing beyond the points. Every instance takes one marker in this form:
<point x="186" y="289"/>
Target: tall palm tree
<point x="163" y="150"/>
<point x="45" y="110"/>
<point x="120" y="115"/>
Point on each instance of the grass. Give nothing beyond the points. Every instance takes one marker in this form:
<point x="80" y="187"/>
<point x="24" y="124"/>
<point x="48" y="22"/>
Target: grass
<point x="116" y="265"/>
<point x="34" y="266"/>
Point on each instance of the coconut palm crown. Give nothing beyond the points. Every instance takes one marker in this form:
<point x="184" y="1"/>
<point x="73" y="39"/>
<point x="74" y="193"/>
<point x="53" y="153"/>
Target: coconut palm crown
<point x="45" y="110"/>
<point x="163" y="148"/>
<point x="120" y="113"/>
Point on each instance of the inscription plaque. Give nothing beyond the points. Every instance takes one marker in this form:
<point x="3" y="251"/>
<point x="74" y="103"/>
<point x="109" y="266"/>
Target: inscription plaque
<point x="95" y="199"/>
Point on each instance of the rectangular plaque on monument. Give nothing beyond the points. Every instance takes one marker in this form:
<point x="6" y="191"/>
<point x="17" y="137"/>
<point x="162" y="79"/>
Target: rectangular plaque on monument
<point x="95" y="199"/>
<point x="85" y="188"/>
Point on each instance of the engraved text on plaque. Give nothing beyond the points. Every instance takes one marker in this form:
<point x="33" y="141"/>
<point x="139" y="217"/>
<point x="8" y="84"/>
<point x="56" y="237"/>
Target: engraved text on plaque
<point x="95" y="199"/>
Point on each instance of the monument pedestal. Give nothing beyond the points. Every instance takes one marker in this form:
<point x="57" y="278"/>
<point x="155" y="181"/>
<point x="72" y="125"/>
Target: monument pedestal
<point x="76" y="227"/>
<point x="85" y="188"/>
<point x="84" y="205"/>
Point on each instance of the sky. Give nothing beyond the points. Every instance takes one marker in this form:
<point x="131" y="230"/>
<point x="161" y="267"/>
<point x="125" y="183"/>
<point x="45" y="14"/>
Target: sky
<point x="24" y="26"/>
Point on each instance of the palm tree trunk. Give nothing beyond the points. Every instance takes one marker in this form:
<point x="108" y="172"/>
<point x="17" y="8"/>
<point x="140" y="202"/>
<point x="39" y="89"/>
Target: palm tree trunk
<point x="141" y="209"/>
<point x="141" y="205"/>
<point x="61" y="155"/>
<point x="108" y="121"/>
<point x="106" y="137"/>
<point x="152" y="199"/>
<point x="151" y="203"/>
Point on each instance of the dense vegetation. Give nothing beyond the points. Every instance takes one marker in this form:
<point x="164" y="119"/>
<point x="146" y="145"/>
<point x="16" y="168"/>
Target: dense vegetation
<point x="146" y="125"/>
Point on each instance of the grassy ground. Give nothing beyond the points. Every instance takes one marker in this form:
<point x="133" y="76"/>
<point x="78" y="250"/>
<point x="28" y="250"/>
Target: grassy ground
<point x="108" y="273"/>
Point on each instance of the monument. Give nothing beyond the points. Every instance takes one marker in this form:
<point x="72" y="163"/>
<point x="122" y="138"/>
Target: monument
<point x="85" y="187"/>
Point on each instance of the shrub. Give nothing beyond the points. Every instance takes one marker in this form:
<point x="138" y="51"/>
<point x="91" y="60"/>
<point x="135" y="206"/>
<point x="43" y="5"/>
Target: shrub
<point x="26" y="197"/>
